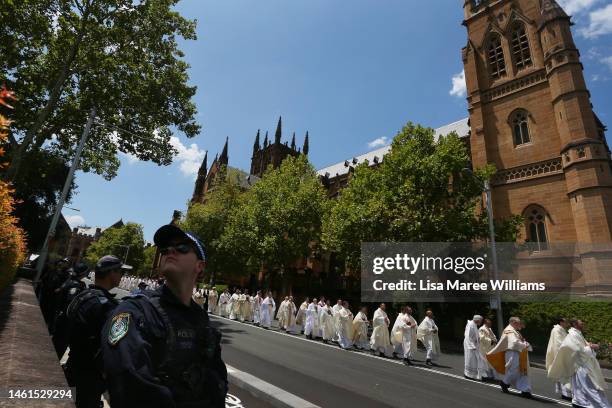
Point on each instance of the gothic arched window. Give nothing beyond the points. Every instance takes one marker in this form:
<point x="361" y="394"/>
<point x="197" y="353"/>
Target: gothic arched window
<point x="497" y="64"/>
<point x="519" y="121"/>
<point x="520" y="47"/>
<point x="535" y="217"/>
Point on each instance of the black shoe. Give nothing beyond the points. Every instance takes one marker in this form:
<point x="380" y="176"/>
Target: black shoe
<point x="563" y="397"/>
<point x="408" y="362"/>
<point x="526" y="395"/>
<point x="428" y="362"/>
<point x="504" y="387"/>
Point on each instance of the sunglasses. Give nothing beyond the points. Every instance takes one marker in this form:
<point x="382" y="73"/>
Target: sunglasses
<point x="180" y="248"/>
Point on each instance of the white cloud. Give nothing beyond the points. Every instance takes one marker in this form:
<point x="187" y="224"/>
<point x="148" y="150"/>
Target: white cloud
<point x="381" y="141"/>
<point x="74" y="220"/>
<point x="459" y="88"/>
<point x="189" y="158"/>
<point x="600" y="23"/>
<point x="576" y="6"/>
<point x="608" y="62"/>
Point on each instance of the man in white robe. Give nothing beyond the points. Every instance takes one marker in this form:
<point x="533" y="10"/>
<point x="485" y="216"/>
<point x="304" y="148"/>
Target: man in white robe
<point x="233" y="305"/>
<point x="281" y="314"/>
<point x="360" y="329"/>
<point x="404" y="335"/>
<point x="290" y="311"/>
<point x="300" y="319"/>
<point x="212" y="299"/>
<point x="246" y="307"/>
<point x="427" y="333"/>
<point x="379" y="341"/>
<point x="241" y="307"/>
<point x="488" y="340"/>
<point x="335" y="309"/>
<point x="510" y="358"/>
<point x="326" y="320"/>
<point x="223" y="304"/>
<point x="557" y="335"/>
<point x="475" y="367"/>
<point x="576" y="361"/>
<point x="256" y="308"/>
<point x="312" y="320"/>
<point x="268" y="306"/>
<point x="345" y="324"/>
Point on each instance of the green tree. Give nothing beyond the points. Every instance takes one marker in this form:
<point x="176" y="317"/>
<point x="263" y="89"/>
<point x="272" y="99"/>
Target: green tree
<point x="208" y="220"/>
<point x="419" y="193"/>
<point x="121" y="56"/>
<point x="127" y="239"/>
<point x="148" y="255"/>
<point x="278" y="218"/>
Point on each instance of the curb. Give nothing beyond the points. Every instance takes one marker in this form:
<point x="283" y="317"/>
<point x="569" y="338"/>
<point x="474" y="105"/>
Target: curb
<point x="265" y="391"/>
<point x="543" y="367"/>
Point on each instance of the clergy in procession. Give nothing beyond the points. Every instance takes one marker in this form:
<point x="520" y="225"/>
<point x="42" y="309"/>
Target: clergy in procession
<point x="475" y="367"/>
<point x="360" y="329"/>
<point x="311" y="328"/>
<point x="212" y="299"/>
<point x="427" y="333"/>
<point x="335" y="309"/>
<point x="243" y="304"/>
<point x="300" y="319"/>
<point x="345" y="326"/>
<point x="233" y="305"/>
<point x="268" y="306"/>
<point x="557" y="335"/>
<point x="404" y="335"/>
<point x="321" y="302"/>
<point x="281" y="313"/>
<point x="256" y="307"/>
<point x="488" y="340"/>
<point x="290" y="312"/>
<point x="379" y="341"/>
<point x="326" y="321"/>
<point x="223" y="305"/>
<point x="510" y="359"/>
<point x="198" y="297"/>
<point x="576" y="362"/>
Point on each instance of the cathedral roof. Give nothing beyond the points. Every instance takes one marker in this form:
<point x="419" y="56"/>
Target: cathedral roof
<point x="551" y="10"/>
<point x="461" y="127"/>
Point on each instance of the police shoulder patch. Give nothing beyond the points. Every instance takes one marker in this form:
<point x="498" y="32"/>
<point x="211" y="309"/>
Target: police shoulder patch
<point x="119" y="328"/>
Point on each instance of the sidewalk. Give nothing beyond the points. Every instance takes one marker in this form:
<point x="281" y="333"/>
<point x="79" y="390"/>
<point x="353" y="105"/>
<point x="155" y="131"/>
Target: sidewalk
<point x="27" y="354"/>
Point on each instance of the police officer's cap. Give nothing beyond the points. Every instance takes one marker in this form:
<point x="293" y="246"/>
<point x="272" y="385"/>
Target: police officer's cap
<point x="167" y="233"/>
<point x="80" y="269"/>
<point x="110" y="262"/>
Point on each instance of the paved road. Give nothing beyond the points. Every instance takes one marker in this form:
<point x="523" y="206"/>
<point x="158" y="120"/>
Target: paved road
<point x="329" y="376"/>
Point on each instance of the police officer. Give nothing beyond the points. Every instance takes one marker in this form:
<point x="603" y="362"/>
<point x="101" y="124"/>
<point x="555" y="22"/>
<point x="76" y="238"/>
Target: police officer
<point x="53" y="277"/>
<point x="66" y="292"/>
<point x="159" y="350"/>
<point x="86" y="315"/>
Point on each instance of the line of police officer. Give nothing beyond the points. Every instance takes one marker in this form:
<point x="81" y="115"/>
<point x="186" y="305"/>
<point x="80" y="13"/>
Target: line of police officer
<point x="153" y="349"/>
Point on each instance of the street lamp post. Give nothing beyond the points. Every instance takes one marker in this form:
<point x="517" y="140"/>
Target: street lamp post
<point x="58" y="208"/>
<point x="499" y="314"/>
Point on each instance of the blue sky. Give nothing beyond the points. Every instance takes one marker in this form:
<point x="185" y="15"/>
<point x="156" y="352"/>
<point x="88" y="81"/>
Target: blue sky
<point x="351" y="72"/>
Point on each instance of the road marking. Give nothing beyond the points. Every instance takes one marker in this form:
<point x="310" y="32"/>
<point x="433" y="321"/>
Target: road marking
<point x="429" y="370"/>
<point x="266" y="391"/>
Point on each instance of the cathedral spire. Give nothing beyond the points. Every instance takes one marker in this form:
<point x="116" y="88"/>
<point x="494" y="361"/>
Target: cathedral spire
<point x="293" y="142"/>
<point x="551" y="10"/>
<point x="256" y="144"/>
<point x="278" y="134"/>
<point x="204" y="166"/>
<point x="305" y="148"/>
<point x="223" y="158"/>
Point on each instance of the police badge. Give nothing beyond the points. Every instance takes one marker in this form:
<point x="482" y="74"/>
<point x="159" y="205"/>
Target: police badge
<point x="119" y="328"/>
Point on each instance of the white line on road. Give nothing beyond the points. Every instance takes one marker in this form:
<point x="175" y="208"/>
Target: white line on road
<point x="429" y="370"/>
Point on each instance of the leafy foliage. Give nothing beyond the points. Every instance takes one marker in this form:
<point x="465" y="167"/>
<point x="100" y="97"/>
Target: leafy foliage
<point x="278" y="218"/>
<point x="421" y="192"/>
<point x="12" y="239"/>
<point x="146" y="267"/>
<point x="115" y="241"/>
<point x="121" y="56"/>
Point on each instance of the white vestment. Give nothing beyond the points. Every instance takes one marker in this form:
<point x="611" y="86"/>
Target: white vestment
<point x="557" y="335"/>
<point x="510" y="347"/>
<point x="233" y="306"/>
<point x="427" y="333"/>
<point x="345" y="325"/>
<point x="280" y="314"/>
<point x="487" y="342"/>
<point x="311" y="328"/>
<point x="326" y="320"/>
<point x="290" y="325"/>
<point x="576" y="361"/>
<point x="301" y="315"/>
<point x="256" y="309"/>
<point x="223" y="305"/>
<point x="379" y="341"/>
<point x="404" y="336"/>
<point x="212" y="300"/>
<point x="335" y="309"/>
<point x="475" y="365"/>
<point x="360" y="331"/>
<point x="267" y="311"/>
